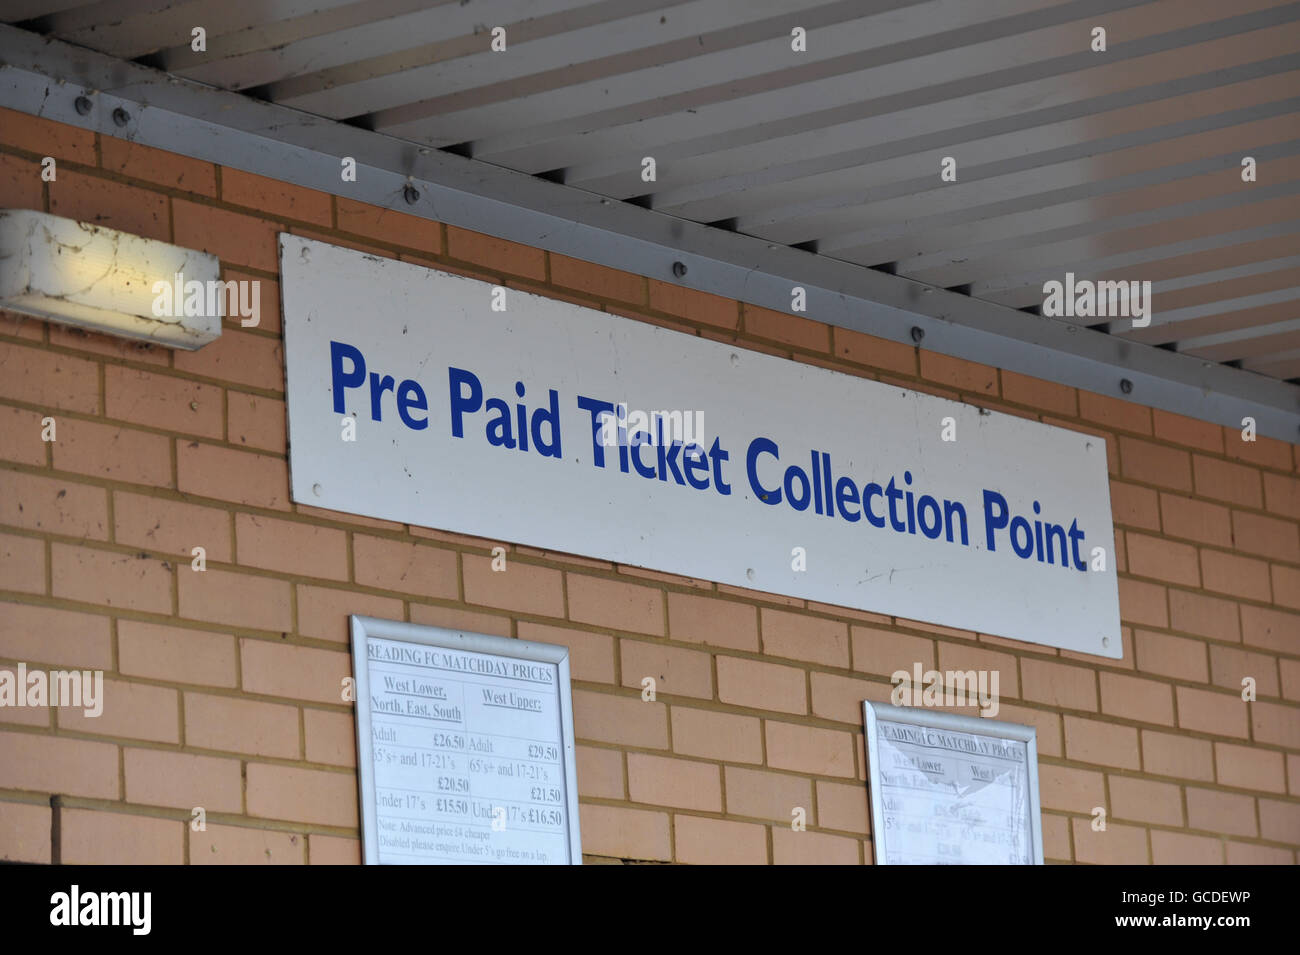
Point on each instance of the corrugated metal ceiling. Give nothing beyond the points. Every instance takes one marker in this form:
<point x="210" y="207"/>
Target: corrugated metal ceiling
<point x="1123" y="164"/>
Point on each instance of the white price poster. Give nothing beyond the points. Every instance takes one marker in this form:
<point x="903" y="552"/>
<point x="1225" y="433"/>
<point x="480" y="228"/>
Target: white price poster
<point x="464" y="748"/>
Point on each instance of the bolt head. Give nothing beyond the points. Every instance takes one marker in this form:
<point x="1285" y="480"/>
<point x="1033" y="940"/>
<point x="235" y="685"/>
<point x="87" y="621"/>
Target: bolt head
<point x="83" y="105"/>
<point x="121" y="117"/>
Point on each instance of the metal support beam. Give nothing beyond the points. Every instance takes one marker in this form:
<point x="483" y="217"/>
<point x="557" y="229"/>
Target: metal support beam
<point x="45" y="78"/>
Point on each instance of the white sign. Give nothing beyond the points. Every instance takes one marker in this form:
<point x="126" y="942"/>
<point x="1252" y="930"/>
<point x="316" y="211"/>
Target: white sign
<point x="464" y="746"/>
<point x="951" y="790"/>
<point x="414" y="397"/>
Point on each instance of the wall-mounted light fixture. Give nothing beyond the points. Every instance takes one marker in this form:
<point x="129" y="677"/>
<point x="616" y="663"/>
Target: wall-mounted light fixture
<point x="108" y="281"/>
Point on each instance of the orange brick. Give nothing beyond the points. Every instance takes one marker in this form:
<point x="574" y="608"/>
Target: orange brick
<point x="1224" y="481"/>
<point x="1221" y="714"/>
<point x="591" y="655"/>
<point x="56" y="764"/>
<point x="49" y="380"/>
<point x="162" y="401"/>
<point x="256" y="421"/>
<point x="302" y="795"/>
<point x="1228" y="665"/>
<point x="1140" y="800"/>
<point x="711" y="620"/>
<point x="241" y="726"/>
<point x="768" y="796"/>
<point x="1043" y="395"/>
<point x="92" y="343"/>
<point x="333" y="850"/>
<point x="157" y="166"/>
<point x="1290" y="678"/>
<point x="257" y="480"/>
<point x="1059" y="685"/>
<point x="842" y="806"/>
<point x="1220" y="812"/>
<point x="25" y="832"/>
<point x="231" y="236"/>
<point x="171" y="527"/>
<point x="625" y="833"/>
<point x="1196" y="520"/>
<point x="124" y="581"/>
<point x="675" y="671"/>
<point x="1109" y="744"/>
<point x="331" y="737"/>
<point x="234" y="845"/>
<point x="156" y="777"/>
<point x="1132" y="698"/>
<point x="496" y="254"/>
<point x="802" y="637"/>
<point x="1134" y="506"/>
<point x="133" y="710"/>
<point x="272" y="197"/>
<point x="300" y="673"/>
<point x="1245" y="767"/>
<point x="167" y="653"/>
<point x="1069" y="789"/>
<point x="783" y="327"/>
<point x="388" y="225"/>
<point x="813" y="848"/>
<point x="959" y="373"/>
<point x="1047" y="724"/>
<point x="290" y="547"/>
<point x="521" y="587"/>
<point x="1204" y="615"/>
<point x="884" y="652"/>
<point x="45" y="137"/>
<point x="407" y="567"/>
<point x="964" y="657"/>
<point x="1286" y="586"/>
<point x="115" y="205"/>
<point x="599" y="281"/>
<point x="840" y="697"/>
<point x="1162" y="559"/>
<point x="235" y="600"/>
<point x="53" y="505"/>
<point x="1279" y="821"/>
<point x="1242" y="853"/>
<point x="1191" y="432"/>
<point x="323" y="611"/>
<point x="244" y="358"/>
<point x="1056" y="839"/>
<point x="90" y="837"/>
<point x="713" y="735"/>
<point x="1115" y="413"/>
<point x="111" y="451"/>
<point x="600" y="773"/>
<point x="1273" y="629"/>
<point x="22" y="563"/>
<point x="53" y="637"/>
<point x="1116" y="845"/>
<point x="680" y="783"/>
<point x="762" y="686"/>
<point x="1143" y="603"/>
<point x="1176" y="755"/>
<point x="809" y="749"/>
<point x="1239" y="576"/>
<point x="1276" y="723"/>
<point x="20" y="437"/>
<point x="20" y="184"/>
<point x="873" y="351"/>
<point x="1180" y="848"/>
<point x="1282" y="494"/>
<point x="1256" y="534"/>
<point x="468" y="620"/>
<point x="1155" y="464"/>
<point x="1265" y="452"/>
<point x="605" y="718"/>
<point x="1175" y="657"/>
<point x="719" y="842"/>
<point x="693" y="305"/>
<point x="611" y="603"/>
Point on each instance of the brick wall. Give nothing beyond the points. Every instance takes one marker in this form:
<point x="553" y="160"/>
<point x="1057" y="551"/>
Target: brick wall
<point x="223" y="686"/>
